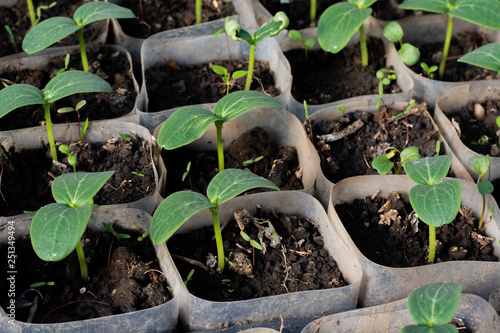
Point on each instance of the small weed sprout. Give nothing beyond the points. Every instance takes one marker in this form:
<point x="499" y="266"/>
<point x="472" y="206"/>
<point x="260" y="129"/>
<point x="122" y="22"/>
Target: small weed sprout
<point x="14" y="45"/>
<point x="384" y="76"/>
<point x="307" y="44"/>
<point x="113" y="232"/>
<point x="429" y="70"/>
<point x="66" y="64"/>
<point x="252" y="242"/>
<point x="483" y="139"/>
<point x="81" y="129"/>
<point x="178" y="207"/>
<point x="226" y="76"/>
<point x="383" y="164"/>
<point x="247" y="162"/>
<point x="141" y="237"/>
<point x="436" y="202"/>
<point x="481" y="164"/>
<point x="138" y="174"/>
<point x="35" y="18"/>
<point x="71" y="156"/>
<point x="188" y="278"/>
<point x="270" y="29"/>
<point x="408" y="53"/>
<point x="124" y="137"/>
<point x="432" y="307"/>
<point x="42" y="283"/>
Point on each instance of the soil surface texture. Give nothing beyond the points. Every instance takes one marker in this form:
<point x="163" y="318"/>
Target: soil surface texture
<point x="455" y="71"/>
<point x="17" y="18"/>
<point x="389" y="234"/>
<point x="120" y="285"/>
<point x="112" y="66"/>
<point x="279" y="164"/>
<point x="161" y="15"/>
<point x="353" y="154"/>
<point x="171" y="85"/>
<point x="25" y="187"/>
<point x="327" y="77"/>
<point x="298" y="262"/>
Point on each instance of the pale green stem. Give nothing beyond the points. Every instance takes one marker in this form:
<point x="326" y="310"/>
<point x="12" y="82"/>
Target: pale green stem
<point x="364" y="49"/>
<point x="432" y="243"/>
<point x="482" y="214"/>
<point x="250" y="67"/>
<point x="83" y="264"/>
<point x="312" y="13"/>
<point x="50" y="133"/>
<point x="83" y="52"/>
<point x="306" y="51"/>
<point x="218" y="238"/>
<point x="31" y="9"/>
<point x="220" y="147"/>
<point x="198" y="11"/>
<point x="446" y="47"/>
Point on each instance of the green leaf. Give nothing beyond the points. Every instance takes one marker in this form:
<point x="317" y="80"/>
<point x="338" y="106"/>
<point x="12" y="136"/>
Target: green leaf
<point x="74" y="82"/>
<point x="393" y="31"/>
<point x="409" y="54"/>
<point x="238" y="74"/>
<point x="338" y="24"/>
<point x="310" y="42"/>
<point x="176" y="209"/>
<point x="428" y="170"/>
<point x="184" y="126"/>
<point x="409" y="154"/>
<point x="448" y="328"/>
<point x="219" y="70"/>
<point x="436" y="204"/>
<point x="485" y="13"/>
<point x="78" y="188"/>
<point x="434" y="304"/>
<point x="96" y="11"/>
<point x="485" y="187"/>
<point x="295" y="35"/>
<point x="56" y="229"/>
<point x="231" y="182"/>
<point x="486" y="56"/>
<point x="18" y="95"/>
<point x="65" y="149"/>
<point x="382" y="164"/>
<point x="481" y="164"/>
<point x="272" y="28"/>
<point x="48" y="32"/>
<point x="433" y="6"/>
<point x="240" y="102"/>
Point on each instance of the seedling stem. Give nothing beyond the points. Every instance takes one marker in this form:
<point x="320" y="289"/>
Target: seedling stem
<point x="84" y="271"/>
<point x="31" y="9"/>
<point x="446" y="47"/>
<point x="218" y="238"/>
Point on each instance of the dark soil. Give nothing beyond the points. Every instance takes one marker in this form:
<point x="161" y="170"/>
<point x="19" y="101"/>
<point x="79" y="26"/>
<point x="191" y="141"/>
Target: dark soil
<point x="456" y="71"/>
<point x="472" y="128"/>
<point x="27" y="176"/>
<point x="279" y="164"/>
<point x="328" y="77"/>
<point x="123" y="285"/>
<point x="307" y="266"/>
<point x="403" y="244"/>
<point x="353" y="155"/>
<point x="17" y="18"/>
<point x="170" y="85"/>
<point x="161" y="15"/>
<point x="111" y="66"/>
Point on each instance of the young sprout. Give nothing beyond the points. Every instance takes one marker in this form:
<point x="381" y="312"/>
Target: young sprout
<point x="485" y="13"/>
<point x="339" y="23"/>
<point x="137" y="174"/>
<point x="190" y="275"/>
<point x="141" y="237"/>
<point x="247" y="162"/>
<point x="189" y="123"/>
<point x="113" y="232"/>
<point x="270" y="29"/>
<point x="429" y="70"/>
<point x="42" y="283"/>
<point x="56" y="229"/>
<point x="66" y="64"/>
<point x="486" y="56"/>
<point x="71" y="156"/>
<point x="384" y="77"/>
<point x="383" y="164"/>
<point x="62" y="85"/>
<point x="408" y="53"/>
<point x="14" y="45"/>
<point x="124" y="137"/>
<point x="252" y="242"/>
<point x="481" y="164"/>
<point x="226" y="76"/>
<point x="483" y="139"/>
<point x="178" y="207"/>
<point x="432" y="307"/>
<point x="307" y="44"/>
<point x="54" y="29"/>
<point x="436" y="202"/>
<point x="36" y="18"/>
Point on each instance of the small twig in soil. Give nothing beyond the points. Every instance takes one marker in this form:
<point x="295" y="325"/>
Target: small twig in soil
<point x="156" y="270"/>
<point x="6" y="82"/>
<point x="191" y="261"/>
<point x="283" y="251"/>
<point x="319" y="326"/>
<point x="353" y="128"/>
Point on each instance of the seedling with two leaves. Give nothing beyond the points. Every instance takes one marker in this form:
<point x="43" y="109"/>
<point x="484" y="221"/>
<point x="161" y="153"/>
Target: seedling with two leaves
<point x="180" y="206"/>
<point x="408" y="53"/>
<point x="481" y="164"/>
<point x="384" y="76"/>
<point x="306" y="44"/>
<point x="429" y="70"/>
<point x="226" y="76"/>
<point x="383" y="164"/>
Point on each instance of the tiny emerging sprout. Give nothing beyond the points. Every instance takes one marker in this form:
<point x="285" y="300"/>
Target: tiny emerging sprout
<point x="383" y="164"/>
<point x="114" y="233"/>
<point x="71" y="156"/>
<point x="481" y="164"/>
<point x="408" y="53"/>
<point x="307" y="44"/>
<point x="41" y="284"/>
<point x="384" y="77"/>
<point x="483" y="139"/>
<point x="138" y="174"/>
<point x="252" y="242"/>
<point x="247" y="162"/>
<point x="226" y="76"/>
<point x="124" y="137"/>
<point x="190" y="275"/>
<point x="141" y="237"/>
<point x="66" y="64"/>
<point x="438" y="147"/>
<point x="429" y="70"/>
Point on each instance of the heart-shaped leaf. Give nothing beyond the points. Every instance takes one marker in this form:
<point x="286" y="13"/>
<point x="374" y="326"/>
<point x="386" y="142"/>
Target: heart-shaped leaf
<point x="393" y="31"/>
<point x="485" y="187"/>
<point x="74" y="82"/>
<point x="409" y="154"/>
<point x="409" y="54"/>
<point x="96" y="11"/>
<point x="382" y="164"/>
<point x="436" y="204"/>
<point x="428" y="170"/>
<point x="486" y="56"/>
<point x="481" y="164"/>
<point x="240" y="102"/>
<point x="18" y="95"/>
<point x="56" y="229"/>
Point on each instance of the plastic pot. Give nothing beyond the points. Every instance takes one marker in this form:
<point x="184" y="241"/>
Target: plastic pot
<point x="197" y="314"/>
<point x="475" y="312"/>
<point x="40" y="60"/>
<point x="494" y="300"/>
<point x="162" y="318"/>
<point x="133" y="45"/>
<point x="283" y="129"/>
<point x="431" y="29"/>
<point x="97" y="133"/>
<point x="373" y="30"/>
<point x="382" y="284"/>
<point x="324" y="185"/>
<point x="454" y="99"/>
<point x="203" y="49"/>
